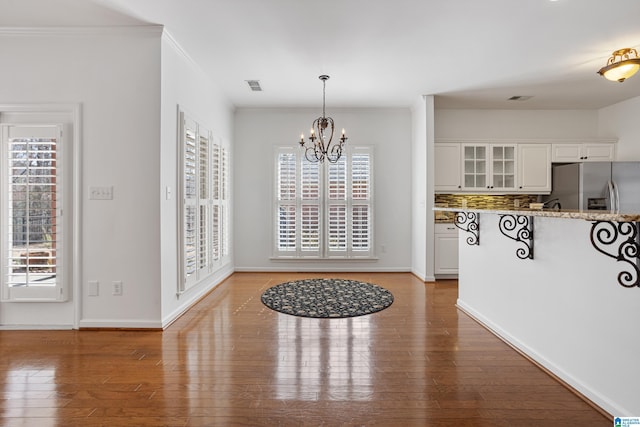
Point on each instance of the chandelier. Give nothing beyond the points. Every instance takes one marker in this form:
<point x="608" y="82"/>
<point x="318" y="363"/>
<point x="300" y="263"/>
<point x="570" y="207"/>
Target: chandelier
<point x="319" y="147"/>
<point x="622" y="64"/>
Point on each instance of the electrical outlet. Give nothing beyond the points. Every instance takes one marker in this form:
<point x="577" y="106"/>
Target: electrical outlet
<point x="516" y="203"/>
<point x="117" y="287"/>
<point x="464" y="203"/>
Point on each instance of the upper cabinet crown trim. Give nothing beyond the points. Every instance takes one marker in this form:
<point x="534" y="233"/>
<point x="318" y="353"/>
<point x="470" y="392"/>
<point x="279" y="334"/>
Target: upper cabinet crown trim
<point x="603" y="140"/>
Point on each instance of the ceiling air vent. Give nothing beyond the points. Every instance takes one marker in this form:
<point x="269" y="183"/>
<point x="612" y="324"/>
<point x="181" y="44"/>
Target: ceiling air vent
<point x="520" y="98"/>
<point x="254" y="85"/>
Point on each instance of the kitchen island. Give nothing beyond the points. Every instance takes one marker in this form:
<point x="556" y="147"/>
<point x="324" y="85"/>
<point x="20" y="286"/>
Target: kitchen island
<point x="562" y="287"/>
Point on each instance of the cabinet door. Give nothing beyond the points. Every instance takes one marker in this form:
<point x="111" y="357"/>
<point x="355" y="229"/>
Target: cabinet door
<point x="503" y="167"/>
<point x="447" y="167"/>
<point x="567" y="153"/>
<point x="591" y="152"/>
<point x="446" y="253"/>
<point x="475" y="167"/>
<point x="534" y="168"/>
<point x="598" y="152"/>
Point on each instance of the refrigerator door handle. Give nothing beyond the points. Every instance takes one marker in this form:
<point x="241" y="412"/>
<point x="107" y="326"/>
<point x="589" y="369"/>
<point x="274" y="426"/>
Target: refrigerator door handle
<point x="611" y="197"/>
<point x="616" y="195"/>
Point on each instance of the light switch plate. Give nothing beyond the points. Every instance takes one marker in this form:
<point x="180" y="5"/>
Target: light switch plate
<point x="101" y="193"/>
<point x="93" y="289"/>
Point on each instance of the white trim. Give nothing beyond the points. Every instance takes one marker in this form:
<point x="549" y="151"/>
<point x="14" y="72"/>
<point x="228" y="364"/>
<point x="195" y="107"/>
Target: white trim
<point x="194" y="297"/>
<point x="152" y="29"/>
<point x="596" y="398"/>
<point x="499" y="141"/>
<point x="328" y="269"/>
<point x="36" y="327"/>
<point x="120" y="323"/>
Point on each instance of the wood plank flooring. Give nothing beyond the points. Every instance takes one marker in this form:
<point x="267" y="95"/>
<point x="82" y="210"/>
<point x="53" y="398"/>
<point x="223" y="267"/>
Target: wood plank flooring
<point x="230" y="361"/>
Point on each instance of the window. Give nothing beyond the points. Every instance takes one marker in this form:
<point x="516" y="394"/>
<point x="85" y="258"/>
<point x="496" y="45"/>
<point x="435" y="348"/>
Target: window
<point x="205" y="209"/>
<point x="32" y="202"/>
<point x="324" y="210"/>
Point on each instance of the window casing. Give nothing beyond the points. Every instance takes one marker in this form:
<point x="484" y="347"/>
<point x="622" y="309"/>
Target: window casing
<point x="32" y="207"/>
<point x="323" y="210"/>
<point x="204" y="213"/>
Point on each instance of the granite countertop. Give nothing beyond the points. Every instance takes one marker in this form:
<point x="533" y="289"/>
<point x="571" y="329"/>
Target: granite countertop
<point x="553" y="213"/>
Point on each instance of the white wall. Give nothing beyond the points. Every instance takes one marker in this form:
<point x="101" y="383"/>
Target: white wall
<point x="621" y="120"/>
<point x="259" y="131"/>
<point x="500" y="124"/>
<point x="184" y="85"/>
<point x="115" y="75"/>
<point x="564" y="308"/>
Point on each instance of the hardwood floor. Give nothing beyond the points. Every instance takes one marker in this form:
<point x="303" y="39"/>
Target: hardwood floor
<point x="230" y="361"/>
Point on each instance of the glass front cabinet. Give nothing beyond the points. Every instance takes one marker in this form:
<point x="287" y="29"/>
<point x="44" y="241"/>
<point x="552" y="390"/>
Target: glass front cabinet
<point x="489" y="167"/>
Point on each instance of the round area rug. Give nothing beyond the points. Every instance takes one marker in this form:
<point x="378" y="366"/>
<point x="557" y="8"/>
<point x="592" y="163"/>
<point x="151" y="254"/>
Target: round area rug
<point x="322" y="298"/>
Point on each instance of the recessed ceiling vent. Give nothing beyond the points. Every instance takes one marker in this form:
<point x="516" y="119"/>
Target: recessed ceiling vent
<point x="254" y="85"/>
<point x="520" y="98"/>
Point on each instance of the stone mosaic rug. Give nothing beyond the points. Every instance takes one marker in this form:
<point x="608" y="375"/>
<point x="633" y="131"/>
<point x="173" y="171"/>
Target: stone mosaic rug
<point x="327" y="298"/>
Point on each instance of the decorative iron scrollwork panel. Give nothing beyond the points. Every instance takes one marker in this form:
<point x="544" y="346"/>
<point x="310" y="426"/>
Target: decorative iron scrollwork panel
<point x="520" y="229"/>
<point x="469" y="222"/>
<point x="619" y="240"/>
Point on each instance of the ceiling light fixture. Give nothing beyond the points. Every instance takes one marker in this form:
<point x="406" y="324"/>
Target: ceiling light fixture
<point x="623" y="64"/>
<point x="319" y="145"/>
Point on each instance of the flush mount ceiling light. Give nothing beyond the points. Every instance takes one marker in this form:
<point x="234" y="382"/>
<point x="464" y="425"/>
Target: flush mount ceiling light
<point x="623" y="64"/>
<point x="319" y="145"/>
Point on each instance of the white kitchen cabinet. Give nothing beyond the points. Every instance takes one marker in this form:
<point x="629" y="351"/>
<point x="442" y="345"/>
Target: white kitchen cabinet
<point x="584" y="152"/>
<point x="446" y="249"/>
<point x="447" y="167"/>
<point x="534" y="168"/>
<point x="488" y="167"/>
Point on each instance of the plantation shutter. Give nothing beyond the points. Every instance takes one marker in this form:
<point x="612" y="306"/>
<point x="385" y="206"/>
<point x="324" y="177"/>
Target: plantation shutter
<point x="215" y="220"/>
<point x="204" y="174"/>
<point x="205" y="194"/>
<point x="337" y="207"/>
<point x="286" y="183"/>
<point x="324" y="210"/>
<point x="32" y="216"/>
<point x="225" y="209"/>
<point x="361" y="203"/>
<point x="190" y="224"/>
<point x="310" y="208"/>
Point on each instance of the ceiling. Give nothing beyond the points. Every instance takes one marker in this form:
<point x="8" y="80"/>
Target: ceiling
<point x="469" y="53"/>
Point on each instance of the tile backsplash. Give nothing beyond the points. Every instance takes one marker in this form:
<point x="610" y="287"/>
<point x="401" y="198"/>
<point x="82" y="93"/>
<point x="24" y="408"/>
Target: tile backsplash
<point x="480" y="201"/>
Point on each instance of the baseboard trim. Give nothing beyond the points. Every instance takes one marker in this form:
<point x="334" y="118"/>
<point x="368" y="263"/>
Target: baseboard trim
<point x="35" y="327"/>
<point x="105" y="324"/>
<point x="332" y="269"/>
<point x="196" y="298"/>
<point x="546" y="366"/>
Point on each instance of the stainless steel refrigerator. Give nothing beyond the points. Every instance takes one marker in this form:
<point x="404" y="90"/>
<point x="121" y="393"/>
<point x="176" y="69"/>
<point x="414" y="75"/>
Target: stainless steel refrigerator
<point x="611" y="186"/>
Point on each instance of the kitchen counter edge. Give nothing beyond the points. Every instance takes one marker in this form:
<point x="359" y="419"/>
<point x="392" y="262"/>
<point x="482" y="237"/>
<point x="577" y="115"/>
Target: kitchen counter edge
<point x="570" y="214"/>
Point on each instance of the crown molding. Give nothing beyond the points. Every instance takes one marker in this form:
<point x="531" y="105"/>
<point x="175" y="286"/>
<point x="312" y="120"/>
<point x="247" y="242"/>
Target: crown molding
<point x="82" y="30"/>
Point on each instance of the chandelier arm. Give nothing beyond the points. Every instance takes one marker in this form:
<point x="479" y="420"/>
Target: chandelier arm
<point x="336" y="152"/>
